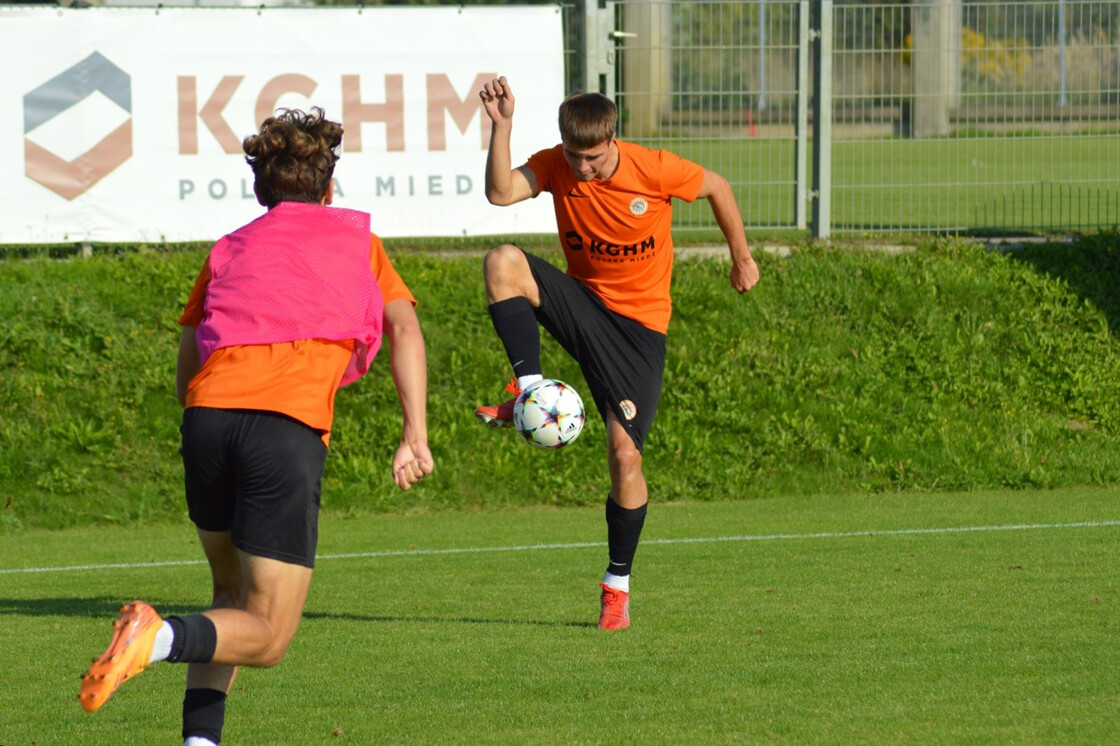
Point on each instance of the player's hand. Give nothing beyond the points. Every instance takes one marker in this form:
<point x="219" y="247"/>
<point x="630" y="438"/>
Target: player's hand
<point x="497" y="99"/>
<point x="744" y="275"/>
<point x="411" y="463"/>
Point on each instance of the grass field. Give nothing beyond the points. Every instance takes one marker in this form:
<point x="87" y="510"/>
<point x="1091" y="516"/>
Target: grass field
<point x="946" y="368"/>
<point x="895" y="520"/>
<point x="968" y="184"/>
<point x="981" y="618"/>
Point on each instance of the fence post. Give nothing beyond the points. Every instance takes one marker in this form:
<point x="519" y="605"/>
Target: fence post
<point x="1063" y="99"/>
<point x="599" y="46"/>
<point x="934" y="66"/>
<point x="820" y="35"/>
<point x="646" y="66"/>
<point x="801" y="147"/>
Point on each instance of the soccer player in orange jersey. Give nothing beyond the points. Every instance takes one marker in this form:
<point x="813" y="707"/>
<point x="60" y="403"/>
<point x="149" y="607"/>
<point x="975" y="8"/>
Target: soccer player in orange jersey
<point x="285" y="310"/>
<point x="611" y="309"/>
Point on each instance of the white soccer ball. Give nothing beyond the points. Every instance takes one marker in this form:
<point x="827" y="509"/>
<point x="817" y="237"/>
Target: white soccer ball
<point x="549" y="413"/>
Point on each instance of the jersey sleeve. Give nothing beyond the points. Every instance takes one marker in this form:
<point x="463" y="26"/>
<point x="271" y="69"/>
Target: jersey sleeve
<point x="390" y="282"/>
<point x="680" y="178"/>
<point x="194" y="310"/>
<point x="543" y="164"/>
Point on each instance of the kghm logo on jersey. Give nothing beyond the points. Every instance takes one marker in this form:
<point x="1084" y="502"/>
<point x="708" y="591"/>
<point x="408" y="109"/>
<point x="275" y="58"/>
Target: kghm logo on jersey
<point x="638" y="206"/>
<point x="603" y="251"/>
<point x="71" y="178"/>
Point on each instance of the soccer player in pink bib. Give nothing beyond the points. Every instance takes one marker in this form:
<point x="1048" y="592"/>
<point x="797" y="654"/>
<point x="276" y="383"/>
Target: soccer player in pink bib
<point x="286" y="310"/>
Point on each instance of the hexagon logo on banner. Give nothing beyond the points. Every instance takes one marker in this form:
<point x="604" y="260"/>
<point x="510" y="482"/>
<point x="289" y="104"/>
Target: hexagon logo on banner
<point x="71" y="178"/>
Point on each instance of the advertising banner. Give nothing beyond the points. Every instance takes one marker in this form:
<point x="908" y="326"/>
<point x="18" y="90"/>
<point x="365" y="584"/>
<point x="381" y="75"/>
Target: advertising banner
<point x="126" y="124"/>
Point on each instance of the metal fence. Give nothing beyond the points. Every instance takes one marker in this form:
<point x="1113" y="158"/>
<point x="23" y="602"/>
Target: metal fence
<point x="833" y="116"/>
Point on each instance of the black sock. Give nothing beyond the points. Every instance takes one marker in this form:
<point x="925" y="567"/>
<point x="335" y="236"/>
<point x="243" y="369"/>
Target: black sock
<point x="204" y="714"/>
<point x="516" y="325"/>
<point x="194" y="639"/>
<point x="624" y="528"/>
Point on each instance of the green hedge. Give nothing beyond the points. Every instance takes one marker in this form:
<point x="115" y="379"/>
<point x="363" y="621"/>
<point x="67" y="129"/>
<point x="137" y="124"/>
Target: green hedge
<point x="950" y="367"/>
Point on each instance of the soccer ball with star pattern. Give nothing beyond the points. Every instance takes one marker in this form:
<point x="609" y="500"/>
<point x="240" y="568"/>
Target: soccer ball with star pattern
<point x="549" y="414"/>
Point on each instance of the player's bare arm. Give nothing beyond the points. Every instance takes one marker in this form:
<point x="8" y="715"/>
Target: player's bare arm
<point x="715" y="189"/>
<point x="504" y="184"/>
<point x="412" y="460"/>
<point x="188" y="363"/>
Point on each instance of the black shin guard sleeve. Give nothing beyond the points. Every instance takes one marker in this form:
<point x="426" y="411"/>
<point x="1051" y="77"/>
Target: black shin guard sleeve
<point x="624" y="529"/>
<point x="204" y="714"/>
<point x="195" y="639"/>
<point x="516" y="325"/>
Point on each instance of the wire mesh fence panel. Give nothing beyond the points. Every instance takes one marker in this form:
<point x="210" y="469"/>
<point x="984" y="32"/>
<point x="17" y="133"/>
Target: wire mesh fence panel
<point x="715" y="82"/>
<point x="976" y="116"/>
<point x="947" y="115"/>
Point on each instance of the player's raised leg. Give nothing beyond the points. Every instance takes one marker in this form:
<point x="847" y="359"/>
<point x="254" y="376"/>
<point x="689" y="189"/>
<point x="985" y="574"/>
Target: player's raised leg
<point x="257" y="634"/>
<point x="512" y="294"/>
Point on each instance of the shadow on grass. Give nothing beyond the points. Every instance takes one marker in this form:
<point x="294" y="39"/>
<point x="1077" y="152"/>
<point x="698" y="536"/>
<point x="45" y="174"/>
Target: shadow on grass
<point x="97" y="607"/>
<point x="103" y="607"/>
<point x="1089" y="265"/>
<point x="345" y="616"/>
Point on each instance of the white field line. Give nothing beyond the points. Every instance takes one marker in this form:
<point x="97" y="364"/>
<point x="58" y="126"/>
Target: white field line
<point x="584" y="545"/>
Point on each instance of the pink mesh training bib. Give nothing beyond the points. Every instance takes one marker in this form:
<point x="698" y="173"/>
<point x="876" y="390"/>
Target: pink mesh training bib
<point x="300" y="271"/>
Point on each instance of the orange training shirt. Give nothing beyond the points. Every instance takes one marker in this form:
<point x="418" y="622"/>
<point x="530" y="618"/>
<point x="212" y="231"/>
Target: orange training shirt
<point x="298" y="379"/>
<point x="617" y="232"/>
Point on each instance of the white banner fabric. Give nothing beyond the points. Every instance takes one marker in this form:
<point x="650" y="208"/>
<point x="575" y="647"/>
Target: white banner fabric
<point x="132" y="120"/>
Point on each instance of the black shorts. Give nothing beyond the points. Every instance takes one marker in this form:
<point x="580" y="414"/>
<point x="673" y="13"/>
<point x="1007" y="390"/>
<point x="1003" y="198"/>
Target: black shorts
<point x="257" y="475"/>
<point x="622" y="360"/>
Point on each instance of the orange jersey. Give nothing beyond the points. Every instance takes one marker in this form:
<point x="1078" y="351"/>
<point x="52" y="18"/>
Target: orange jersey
<point x="298" y="379"/>
<point x="617" y="233"/>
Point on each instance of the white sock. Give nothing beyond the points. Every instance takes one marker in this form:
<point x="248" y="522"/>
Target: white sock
<point x="198" y="741"/>
<point x="618" y="582"/>
<point x="162" y="647"/>
<point x="525" y="381"/>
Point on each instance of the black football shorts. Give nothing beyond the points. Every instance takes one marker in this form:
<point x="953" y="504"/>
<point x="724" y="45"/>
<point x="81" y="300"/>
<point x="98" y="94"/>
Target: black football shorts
<point x="257" y="475"/>
<point x="622" y="360"/>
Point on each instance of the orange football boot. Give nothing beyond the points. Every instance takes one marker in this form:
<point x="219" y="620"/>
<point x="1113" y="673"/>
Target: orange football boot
<point x="614" y="608"/>
<point x="501" y="415"/>
<point x="129" y="653"/>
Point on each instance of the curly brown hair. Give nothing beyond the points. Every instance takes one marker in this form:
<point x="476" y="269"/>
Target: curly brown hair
<point x="293" y="156"/>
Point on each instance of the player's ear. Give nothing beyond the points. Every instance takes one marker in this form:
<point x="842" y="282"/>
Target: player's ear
<point x="329" y="196"/>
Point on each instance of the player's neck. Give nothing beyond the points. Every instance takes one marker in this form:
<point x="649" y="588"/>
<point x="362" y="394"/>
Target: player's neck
<point x="613" y="159"/>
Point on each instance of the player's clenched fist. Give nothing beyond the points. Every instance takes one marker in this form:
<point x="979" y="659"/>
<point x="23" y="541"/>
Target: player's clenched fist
<point x="497" y="98"/>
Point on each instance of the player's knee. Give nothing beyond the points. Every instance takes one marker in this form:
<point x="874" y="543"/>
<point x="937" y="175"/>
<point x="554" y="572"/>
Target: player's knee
<point x="273" y="655"/>
<point x="272" y="652"/>
<point x="626" y="457"/>
<point x="503" y="264"/>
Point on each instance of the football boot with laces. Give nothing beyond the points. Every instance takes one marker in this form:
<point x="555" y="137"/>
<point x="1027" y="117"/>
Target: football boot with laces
<point x="129" y="653"/>
<point x="502" y="414"/>
<point x="614" y="608"/>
